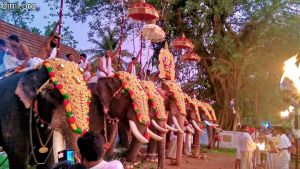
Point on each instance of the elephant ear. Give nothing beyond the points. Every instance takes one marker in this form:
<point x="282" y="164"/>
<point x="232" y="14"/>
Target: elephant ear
<point x="29" y="84"/>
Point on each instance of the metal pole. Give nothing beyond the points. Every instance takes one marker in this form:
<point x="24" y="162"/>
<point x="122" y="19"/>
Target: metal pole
<point x="296" y="139"/>
<point x="59" y="28"/>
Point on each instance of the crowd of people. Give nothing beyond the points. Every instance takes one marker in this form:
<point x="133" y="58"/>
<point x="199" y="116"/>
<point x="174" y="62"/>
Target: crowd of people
<point x="275" y="153"/>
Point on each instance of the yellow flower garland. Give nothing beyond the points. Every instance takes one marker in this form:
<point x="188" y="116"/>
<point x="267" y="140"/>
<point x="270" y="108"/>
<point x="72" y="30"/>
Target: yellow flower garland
<point x="177" y="93"/>
<point x="157" y="101"/>
<point x="139" y="98"/>
<point x="68" y="79"/>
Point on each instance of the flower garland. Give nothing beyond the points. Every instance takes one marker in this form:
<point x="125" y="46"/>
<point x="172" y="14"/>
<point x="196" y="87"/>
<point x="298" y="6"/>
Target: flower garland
<point x="157" y="101"/>
<point x="193" y="103"/>
<point x="68" y="79"/>
<point x="204" y="109"/>
<point x="131" y="85"/>
<point x="211" y="110"/>
<point x="177" y="93"/>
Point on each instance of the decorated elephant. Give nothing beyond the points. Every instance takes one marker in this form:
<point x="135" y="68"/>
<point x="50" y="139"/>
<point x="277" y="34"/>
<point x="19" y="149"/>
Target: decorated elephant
<point x="123" y="98"/>
<point x="27" y="91"/>
<point x="158" y="116"/>
<point x="208" y="116"/>
<point x="193" y="117"/>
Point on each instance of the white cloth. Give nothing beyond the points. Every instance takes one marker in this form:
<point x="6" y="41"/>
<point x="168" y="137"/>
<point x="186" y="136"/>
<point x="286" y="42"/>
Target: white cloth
<point x="188" y="144"/>
<point x="106" y="67"/>
<point x="53" y="53"/>
<point x="247" y="147"/>
<point x="35" y="61"/>
<point x="133" y="69"/>
<point x="10" y="62"/>
<point x="83" y="65"/>
<point x="109" y="165"/>
<point x="283" y="157"/>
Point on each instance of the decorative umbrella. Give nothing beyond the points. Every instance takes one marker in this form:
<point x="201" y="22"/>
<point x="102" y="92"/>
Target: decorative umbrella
<point x="182" y="43"/>
<point x="142" y="11"/>
<point x="153" y="33"/>
<point x="191" y="56"/>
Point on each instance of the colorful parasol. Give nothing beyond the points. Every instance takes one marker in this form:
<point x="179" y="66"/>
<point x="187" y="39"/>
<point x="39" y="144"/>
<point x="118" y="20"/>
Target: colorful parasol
<point x="191" y="56"/>
<point x="142" y="11"/>
<point x="153" y="33"/>
<point x="182" y="43"/>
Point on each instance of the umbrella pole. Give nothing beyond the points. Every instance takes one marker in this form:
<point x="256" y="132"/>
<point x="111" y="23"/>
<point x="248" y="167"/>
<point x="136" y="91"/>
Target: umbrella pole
<point x="59" y="28"/>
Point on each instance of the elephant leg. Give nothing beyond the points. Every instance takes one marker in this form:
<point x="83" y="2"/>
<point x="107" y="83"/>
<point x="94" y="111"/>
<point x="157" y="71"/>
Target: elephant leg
<point x="17" y="152"/>
<point x="196" y="145"/>
<point x="161" y="151"/>
<point x="123" y="134"/>
<point x="179" y="148"/>
<point x="152" y="146"/>
<point x="151" y="150"/>
<point x="210" y="136"/>
<point x="133" y="150"/>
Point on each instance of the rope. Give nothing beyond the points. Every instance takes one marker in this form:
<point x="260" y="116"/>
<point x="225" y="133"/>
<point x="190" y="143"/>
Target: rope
<point x="59" y="28"/>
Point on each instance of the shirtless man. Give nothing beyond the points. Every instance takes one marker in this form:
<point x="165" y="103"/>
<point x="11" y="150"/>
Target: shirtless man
<point x="105" y="68"/>
<point x="21" y="54"/>
<point x="48" y="49"/>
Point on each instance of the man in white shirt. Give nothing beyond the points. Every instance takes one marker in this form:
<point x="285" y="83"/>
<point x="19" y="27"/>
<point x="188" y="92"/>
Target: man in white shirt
<point x="105" y="68"/>
<point x="85" y="66"/>
<point x="282" y="157"/>
<point x="246" y="147"/>
<point x="92" y="151"/>
<point x="131" y="66"/>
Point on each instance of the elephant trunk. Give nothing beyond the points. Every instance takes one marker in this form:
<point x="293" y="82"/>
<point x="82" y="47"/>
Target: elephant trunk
<point x="190" y="130"/>
<point x="137" y="133"/>
<point x="177" y="125"/>
<point x="158" y="127"/>
<point x="171" y="128"/>
<point x="195" y="125"/>
<point x="154" y="136"/>
<point x="58" y="144"/>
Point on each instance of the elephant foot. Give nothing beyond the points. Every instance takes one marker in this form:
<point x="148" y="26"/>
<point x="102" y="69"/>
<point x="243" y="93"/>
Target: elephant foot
<point x="152" y="158"/>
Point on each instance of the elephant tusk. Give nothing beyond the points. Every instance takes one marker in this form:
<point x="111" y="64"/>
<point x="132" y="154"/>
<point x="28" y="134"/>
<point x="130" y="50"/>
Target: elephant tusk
<point x="171" y="128"/>
<point x="158" y="127"/>
<point x="137" y="133"/>
<point x="177" y="125"/>
<point x="154" y="136"/>
<point x="210" y="124"/>
<point x="195" y="125"/>
<point x="190" y="130"/>
<point x="58" y="144"/>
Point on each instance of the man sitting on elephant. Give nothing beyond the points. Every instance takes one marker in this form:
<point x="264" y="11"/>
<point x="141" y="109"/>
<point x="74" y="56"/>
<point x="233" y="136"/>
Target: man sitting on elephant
<point x="92" y="150"/>
<point x="105" y="68"/>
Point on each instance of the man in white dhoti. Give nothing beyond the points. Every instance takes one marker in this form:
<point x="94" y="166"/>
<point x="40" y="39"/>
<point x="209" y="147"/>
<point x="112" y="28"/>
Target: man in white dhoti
<point x="282" y="156"/>
<point x="85" y="66"/>
<point x="105" y="68"/>
<point x="247" y="147"/>
<point x="131" y="66"/>
<point x="172" y="147"/>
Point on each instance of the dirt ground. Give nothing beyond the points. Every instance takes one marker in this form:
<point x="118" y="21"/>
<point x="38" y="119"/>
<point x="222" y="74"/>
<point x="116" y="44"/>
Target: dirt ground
<point x="212" y="161"/>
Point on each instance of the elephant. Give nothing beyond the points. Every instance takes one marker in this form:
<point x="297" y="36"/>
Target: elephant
<point x="19" y="92"/>
<point x="207" y="115"/>
<point x="176" y="108"/>
<point x="119" y="105"/>
<point x="158" y="116"/>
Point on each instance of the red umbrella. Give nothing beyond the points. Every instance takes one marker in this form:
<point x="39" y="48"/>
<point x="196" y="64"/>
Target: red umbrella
<point x="142" y="11"/>
<point x="182" y="43"/>
<point x="191" y="56"/>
